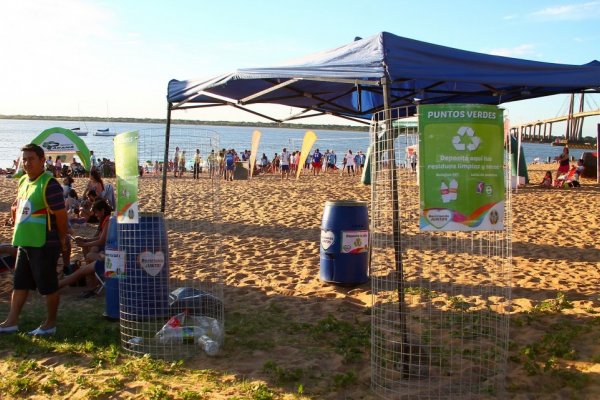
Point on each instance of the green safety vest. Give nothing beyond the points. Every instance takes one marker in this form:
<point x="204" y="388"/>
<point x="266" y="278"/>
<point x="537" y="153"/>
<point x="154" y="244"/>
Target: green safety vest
<point x="32" y="218"/>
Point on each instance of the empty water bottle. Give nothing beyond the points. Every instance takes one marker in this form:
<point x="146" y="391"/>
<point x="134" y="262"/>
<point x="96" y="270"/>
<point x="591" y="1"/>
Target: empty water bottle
<point x="217" y="332"/>
<point x="135" y="342"/>
<point x="209" y="346"/>
<point x="180" y="334"/>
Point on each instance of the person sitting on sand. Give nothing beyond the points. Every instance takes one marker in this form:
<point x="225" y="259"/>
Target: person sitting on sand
<point x="82" y="272"/>
<point x="578" y="171"/>
<point x="91" y="247"/>
<point x="566" y="179"/>
<point x="95" y="183"/>
<point x="86" y="213"/>
<point x="547" y="181"/>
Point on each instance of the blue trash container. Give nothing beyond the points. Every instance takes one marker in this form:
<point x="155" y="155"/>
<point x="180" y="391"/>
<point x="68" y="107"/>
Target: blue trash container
<point x="144" y="288"/>
<point x="111" y="311"/>
<point x="344" y="249"/>
<point x="111" y="283"/>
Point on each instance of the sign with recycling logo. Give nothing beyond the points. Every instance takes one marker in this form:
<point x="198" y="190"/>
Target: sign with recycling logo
<point x="461" y="167"/>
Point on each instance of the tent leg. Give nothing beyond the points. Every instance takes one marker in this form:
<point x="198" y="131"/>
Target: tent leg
<point x="163" y="195"/>
<point x="391" y="153"/>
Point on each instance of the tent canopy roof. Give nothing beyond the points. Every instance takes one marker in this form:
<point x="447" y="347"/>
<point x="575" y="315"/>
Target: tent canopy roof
<point x="348" y="81"/>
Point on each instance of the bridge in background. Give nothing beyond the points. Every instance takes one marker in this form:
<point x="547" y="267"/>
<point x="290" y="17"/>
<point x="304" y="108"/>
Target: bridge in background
<point x="541" y="130"/>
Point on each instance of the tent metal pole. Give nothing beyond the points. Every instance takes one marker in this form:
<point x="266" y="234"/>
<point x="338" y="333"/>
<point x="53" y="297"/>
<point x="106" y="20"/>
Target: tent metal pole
<point x="391" y="152"/>
<point x="598" y="154"/>
<point x="163" y="194"/>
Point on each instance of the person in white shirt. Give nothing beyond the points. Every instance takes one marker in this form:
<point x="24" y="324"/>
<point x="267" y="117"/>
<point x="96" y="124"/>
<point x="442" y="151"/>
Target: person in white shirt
<point x="285" y="164"/>
<point x="349" y="163"/>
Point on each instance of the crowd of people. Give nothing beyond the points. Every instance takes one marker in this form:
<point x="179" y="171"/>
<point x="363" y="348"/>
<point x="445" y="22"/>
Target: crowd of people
<point x="223" y="163"/>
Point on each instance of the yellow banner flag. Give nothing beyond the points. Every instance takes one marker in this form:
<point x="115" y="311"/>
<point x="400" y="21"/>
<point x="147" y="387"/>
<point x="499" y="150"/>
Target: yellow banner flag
<point x="254" y="150"/>
<point x="309" y="139"/>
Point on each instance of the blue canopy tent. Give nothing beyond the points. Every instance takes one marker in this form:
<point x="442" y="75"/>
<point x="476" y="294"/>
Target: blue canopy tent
<point x="384" y="71"/>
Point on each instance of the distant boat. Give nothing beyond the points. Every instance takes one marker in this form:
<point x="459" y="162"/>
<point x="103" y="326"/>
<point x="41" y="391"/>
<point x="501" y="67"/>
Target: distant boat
<point x="104" y="132"/>
<point x="79" y="132"/>
<point x="560" y="142"/>
<point x="574" y="145"/>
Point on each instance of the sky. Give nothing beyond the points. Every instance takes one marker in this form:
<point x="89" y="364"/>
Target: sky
<point x="114" y="58"/>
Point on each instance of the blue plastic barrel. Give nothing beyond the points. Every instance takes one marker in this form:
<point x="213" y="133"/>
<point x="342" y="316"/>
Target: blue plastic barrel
<point x="111" y="286"/>
<point x="111" y="283"/>
<point x="144" y="288"/>
<point x="344" y="245"/>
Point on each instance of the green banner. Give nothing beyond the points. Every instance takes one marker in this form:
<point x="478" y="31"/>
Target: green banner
<point x="461" y="173"/>
<point x="126" y="166"/>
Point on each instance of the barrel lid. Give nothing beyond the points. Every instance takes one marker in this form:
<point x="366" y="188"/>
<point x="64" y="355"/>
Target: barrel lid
<point x="345" y="203"/>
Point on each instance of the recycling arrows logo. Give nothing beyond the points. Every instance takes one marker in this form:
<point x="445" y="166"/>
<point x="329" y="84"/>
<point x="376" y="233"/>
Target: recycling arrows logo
<point x="458" y="140"/>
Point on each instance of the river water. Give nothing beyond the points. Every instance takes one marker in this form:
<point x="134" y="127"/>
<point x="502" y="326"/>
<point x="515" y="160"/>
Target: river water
<point x="16" y="133"/>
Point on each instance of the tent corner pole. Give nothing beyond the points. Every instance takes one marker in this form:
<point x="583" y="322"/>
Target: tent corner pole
<point x="391" y="154"/>
<point x="165" y="167"/>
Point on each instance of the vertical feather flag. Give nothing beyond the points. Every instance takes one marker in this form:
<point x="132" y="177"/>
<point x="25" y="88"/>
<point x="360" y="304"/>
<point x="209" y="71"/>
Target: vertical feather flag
<point x="309" y="139"/>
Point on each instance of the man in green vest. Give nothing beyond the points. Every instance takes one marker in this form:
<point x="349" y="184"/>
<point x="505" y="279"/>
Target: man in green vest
<point x="40" y="232"/>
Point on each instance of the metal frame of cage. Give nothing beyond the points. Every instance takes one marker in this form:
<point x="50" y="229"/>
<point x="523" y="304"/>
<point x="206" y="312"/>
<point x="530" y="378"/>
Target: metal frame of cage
<point x="436" y="333"/>
<point x="173" y="312"/>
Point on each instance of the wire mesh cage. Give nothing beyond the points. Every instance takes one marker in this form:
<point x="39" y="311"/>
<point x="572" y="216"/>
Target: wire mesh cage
<point x="440" y="299"/>
<point x="171" y="294"/>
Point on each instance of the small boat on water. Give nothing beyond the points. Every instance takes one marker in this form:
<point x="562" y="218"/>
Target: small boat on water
<point x="560" y="142"/>
<point x="573" y="145"/>
<point x="104" y="132"/>
<point x="79" y="132"/>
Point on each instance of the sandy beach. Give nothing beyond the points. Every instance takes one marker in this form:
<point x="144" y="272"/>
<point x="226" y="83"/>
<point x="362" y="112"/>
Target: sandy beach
<point x="269" y="252"/>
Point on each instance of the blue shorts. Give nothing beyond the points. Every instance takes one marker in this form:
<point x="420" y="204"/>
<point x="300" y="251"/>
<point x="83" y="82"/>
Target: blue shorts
<point x="285" y="167"/>
<point x="230" y="167"/>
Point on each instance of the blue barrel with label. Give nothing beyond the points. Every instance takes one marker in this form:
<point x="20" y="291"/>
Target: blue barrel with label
<point x="144" y="288"/>
<point x="345" y="242"/>
<point x="111" y="277"/>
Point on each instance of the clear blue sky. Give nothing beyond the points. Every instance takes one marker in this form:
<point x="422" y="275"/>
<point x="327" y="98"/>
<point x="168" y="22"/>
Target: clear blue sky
<point x="115" y="57"/>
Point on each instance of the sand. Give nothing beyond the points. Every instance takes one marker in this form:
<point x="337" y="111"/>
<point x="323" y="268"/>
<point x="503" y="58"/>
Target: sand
<point x="270" y="253"/>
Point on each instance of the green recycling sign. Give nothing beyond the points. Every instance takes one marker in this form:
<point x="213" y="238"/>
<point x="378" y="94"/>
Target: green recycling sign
<point x="461" y="167"/>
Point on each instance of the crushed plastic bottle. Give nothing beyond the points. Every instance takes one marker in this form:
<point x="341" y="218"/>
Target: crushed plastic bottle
<point x="180" y="334"/>
<point x="209" y="346"/>
<point x="211" y="325"/>
<point x="216" y="330"/>
<point x="135" y="342"/>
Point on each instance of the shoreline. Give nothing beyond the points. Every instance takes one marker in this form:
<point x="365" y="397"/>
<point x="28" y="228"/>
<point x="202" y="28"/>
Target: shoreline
<point x="185" y="122"/>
